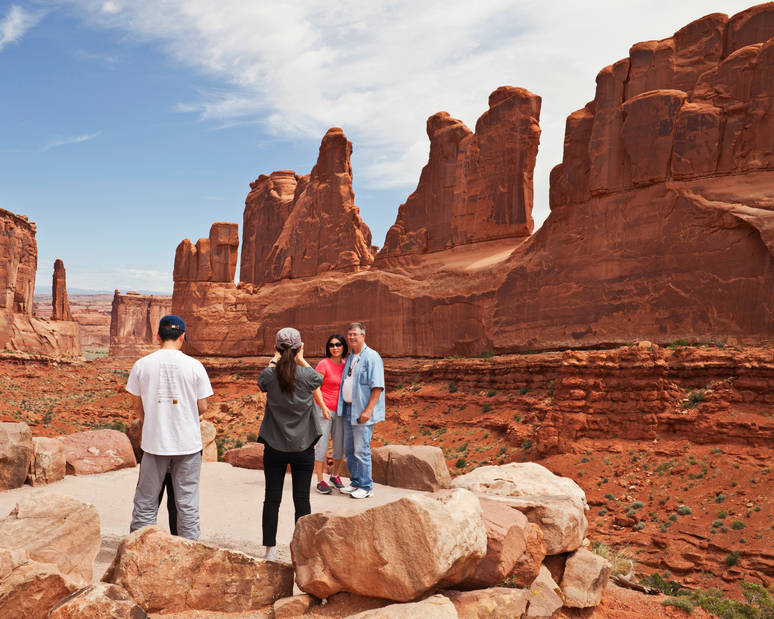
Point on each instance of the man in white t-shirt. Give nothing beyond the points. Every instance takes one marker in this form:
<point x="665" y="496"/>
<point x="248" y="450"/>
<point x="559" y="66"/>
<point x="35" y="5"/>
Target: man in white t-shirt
<point x="169" y="393"/>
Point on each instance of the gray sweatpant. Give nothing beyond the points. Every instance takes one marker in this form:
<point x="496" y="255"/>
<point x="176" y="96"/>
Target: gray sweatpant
<point x="185" y="482"/>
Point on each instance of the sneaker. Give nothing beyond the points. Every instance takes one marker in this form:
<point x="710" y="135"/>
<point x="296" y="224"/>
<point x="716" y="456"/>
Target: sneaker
<point x="324" y="488"/>
<point x="336" y="482"/>
<point x="348" y="489"/>
<point x="271" y="553"/>
<point x="360" y="493"/>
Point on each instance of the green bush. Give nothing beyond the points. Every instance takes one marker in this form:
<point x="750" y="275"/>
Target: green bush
<point x="738" y="525"/>
<point x="609" y="496"/>
<point x="667" y="587"/>
<point x="732" y="558"/>
<point x="720" y="498"/>
<point x="453" y="387"/>
<point x="638" y="505"/>
<point x="486" y="407"/>
<point x="491" y="393"/>
<point x="523" y="391"/>
<point x="460" y="464"/>
<point x="717" y="523"/>
<point x="759" y="603"/>
<point x="639" y="526"/>
<point x="680" y="603"/>
<point x="684" y="510"/>
<point x="251" y="437"/>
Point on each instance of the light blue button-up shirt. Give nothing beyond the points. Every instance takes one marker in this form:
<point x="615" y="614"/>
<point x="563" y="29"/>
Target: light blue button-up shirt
<point x="368" y="374"/>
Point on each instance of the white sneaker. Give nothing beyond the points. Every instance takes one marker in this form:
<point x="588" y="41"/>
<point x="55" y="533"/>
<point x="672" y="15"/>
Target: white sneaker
<point x="348" y="489"/>
<point x="361" y="494"/>
<point x="271" y="553"/>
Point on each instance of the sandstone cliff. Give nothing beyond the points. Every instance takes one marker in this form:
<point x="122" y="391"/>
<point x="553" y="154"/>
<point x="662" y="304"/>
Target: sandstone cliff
<point x="299" y="226"/>
<point x="19" y="330"/>
<point x="60" y="302"/>
<point x="210" y="260"/>
<point x="660" y="229"/>
<point x="134" y="323"/>
<point x="476" y="186"/>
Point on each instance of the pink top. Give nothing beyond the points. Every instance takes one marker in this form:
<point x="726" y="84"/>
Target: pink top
<point x="331" y="382"/>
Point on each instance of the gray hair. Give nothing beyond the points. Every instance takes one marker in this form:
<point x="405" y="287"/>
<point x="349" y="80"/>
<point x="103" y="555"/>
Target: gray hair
<point x="358" y="325"/>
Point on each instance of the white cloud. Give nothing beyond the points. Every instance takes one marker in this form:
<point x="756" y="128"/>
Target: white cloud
<point x="63" y="141"/>
<point x="16" y="23"/>
<point x="379" y="69"/>
<point x="110" y="7"/>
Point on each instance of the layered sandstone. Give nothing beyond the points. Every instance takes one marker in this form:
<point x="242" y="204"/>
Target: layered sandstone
<point x="475" y="186"/>
<point x="210" y="260"/>
<point x="18" y="263"/>
<point x="299" y="226"/>
<point x="660" y="229"/>
<point x="60" y="303"/>
<point x="134" y="323"/>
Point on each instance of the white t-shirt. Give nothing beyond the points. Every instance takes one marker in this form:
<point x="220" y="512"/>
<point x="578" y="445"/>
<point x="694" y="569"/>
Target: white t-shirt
<point x="170" y="383"/>
<point x="346" y="387"/>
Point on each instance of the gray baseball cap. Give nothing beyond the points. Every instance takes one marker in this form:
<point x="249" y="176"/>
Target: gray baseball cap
<point x="288" y="338"/>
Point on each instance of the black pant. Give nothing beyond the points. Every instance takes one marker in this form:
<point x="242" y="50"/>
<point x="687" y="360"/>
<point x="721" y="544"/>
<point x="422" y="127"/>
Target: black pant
<point x="171" y="507"/>
<point x="275" y="464"/>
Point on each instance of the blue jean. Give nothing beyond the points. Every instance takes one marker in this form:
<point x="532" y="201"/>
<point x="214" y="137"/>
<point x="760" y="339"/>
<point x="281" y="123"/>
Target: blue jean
<point x="357" y="451"/>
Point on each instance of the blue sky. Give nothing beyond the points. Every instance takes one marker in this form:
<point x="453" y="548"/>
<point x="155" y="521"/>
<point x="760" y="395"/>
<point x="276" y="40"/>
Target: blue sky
<point x="127" y="126"/>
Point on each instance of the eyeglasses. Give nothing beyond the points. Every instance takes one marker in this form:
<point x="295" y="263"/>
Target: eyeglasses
<point x="350" y="334"/>
<point x="335" y="345"/>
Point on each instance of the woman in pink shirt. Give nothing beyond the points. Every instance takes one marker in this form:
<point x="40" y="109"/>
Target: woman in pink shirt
<point x="330" y="368"/>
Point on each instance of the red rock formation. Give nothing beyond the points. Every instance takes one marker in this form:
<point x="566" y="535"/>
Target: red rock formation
<point x="210" y="260"/>
<point x="662" y="224"/>
<point x="318" y="230"/>
<point x="476" y="186"/>
<point x="18" y="263"/>
<point x="60" y="303"/>
<point x="134" y="323"/>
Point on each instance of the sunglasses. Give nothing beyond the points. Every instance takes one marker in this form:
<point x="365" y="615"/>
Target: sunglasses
<point x="335" y="345"/>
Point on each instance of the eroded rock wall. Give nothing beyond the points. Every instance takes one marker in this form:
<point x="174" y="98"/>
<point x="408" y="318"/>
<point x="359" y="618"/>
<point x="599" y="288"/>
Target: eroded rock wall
<point x="210" y="260"/>
<point x="475" y="186"/>
<point x="134" y="323"/>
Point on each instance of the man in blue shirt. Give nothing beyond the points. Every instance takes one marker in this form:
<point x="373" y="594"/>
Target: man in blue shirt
<point x="361" y="405"/>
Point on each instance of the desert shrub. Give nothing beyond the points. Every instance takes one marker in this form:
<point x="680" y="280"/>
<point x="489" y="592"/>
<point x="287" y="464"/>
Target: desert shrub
<point x="639" y="526"/>
<point x="720" y="498"/>
<point x="602" y="512"/>
<point x="116" y="424"/>
<point x="717" y="523"/>
<point x="759" y="603"/>
<point x="638" y="504"/>
<point x="527" y="444"/>
<point x="738" y="525"/>
<point x="680" y="603"/>
<point x="492" y="393"/>
<point x="251" y="437"/>
<point x="453" y="387"/>
<point x="609" y="496"/>
<point x="486" y="407"/>
<point x="732" y="558"/>
<point x="399" y="386"/>
<point x="621" y="560"/>
<point x="220" y="443"/>
<point x="666" y="586"/>
<point x="684" y="510"/>
<point x="460" y="463"/>
<point x="551" y="386"/>
<point x="523" y="391"/>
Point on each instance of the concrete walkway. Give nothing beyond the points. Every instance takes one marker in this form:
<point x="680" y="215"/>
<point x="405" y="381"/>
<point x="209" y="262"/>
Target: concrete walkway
<point x="231" y="501"/>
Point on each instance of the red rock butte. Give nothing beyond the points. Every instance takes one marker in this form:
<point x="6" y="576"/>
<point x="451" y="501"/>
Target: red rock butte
<point x="134" y="322"/>
<point x="660" y="226"/>
<point x="19" y="329"/>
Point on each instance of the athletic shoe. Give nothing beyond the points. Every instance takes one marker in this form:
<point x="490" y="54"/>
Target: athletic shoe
<point x="271" y="553"/>
<point x="336" y="482"/>
<point x="324" y="488"/>
<point x="361" y="494"/>
<point x="348" y="489"/>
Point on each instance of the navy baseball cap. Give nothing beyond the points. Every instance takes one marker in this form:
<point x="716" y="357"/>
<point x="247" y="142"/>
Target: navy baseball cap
<point x="172" y="322"/>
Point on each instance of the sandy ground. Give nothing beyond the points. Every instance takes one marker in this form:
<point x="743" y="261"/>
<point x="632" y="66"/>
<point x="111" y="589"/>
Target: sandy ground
<point x="231" y="500"/>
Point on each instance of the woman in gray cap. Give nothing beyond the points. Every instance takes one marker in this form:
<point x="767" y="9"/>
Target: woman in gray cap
<point x="289" y="430"/>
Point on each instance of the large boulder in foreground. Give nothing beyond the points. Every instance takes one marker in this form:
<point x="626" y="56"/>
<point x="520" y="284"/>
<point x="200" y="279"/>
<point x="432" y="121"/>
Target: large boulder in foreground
<point x="98" y="601"/>
<point x="585" y="579"/>
<point x="416" y="467"/>
<point x="519" y="479"/>
<point x="29" y="589"/>
<point x="491" y="603"/>
<point x="434" y="607"/>
<point x="55" y="528"/>
<point x="97" y="451"/>
<point x="247" y="457"/>
<point x="48" y="461"/>
<point x="561" y="518"/>
<point x="506" y="532"/>
<point x="15" y="454"/>
<point x="395" y="551"/>
<point x="166" y="574"/>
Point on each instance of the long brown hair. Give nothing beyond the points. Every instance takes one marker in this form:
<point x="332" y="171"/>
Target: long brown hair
<point x="286" y="369"/>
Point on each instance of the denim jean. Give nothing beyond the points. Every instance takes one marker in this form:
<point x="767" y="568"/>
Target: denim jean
<point x="357" y="451"/>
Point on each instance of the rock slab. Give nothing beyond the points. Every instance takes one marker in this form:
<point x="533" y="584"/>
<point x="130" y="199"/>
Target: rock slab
<point x="395" y="551"/>
<point x="16" y="451"/>
<point x="416" y="467"/>
<point x="585" y="579"/>
<point x="98" y="601"/>
<point x="434" y="607"/>
<point x="494" y="603"/>
<point x="247" y="457"/>
<point x="48" y="461"/>
<point x="165" y="574"/>
<point x="97" y="451"/>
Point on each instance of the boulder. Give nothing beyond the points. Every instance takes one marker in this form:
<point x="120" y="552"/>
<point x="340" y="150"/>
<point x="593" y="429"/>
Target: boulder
<point x="519" y="479"/>
<point x="561" y="518"/>
<point x="506" y="541"/>
<point x="48" y="461"/>
<point x="16" y="451"/>
<point x="288" y="608"/>
<point x="527" y="567"/>
<point x="546" y="596"/>
<point x="165" y="574"/>
<point x="416" y="467"/>
<point x="29" y="589"/>
<point x="494" y="603"/>
<point x="98" y="601"/>
<point x="209" y="448"/>
<point x="55" y="528"/>
<point x="585" y="579"/>
<point x="248" y="457"/>
<point x="97" y="451"/>
<point x="395" y="551"/>
<point x="434" y="607"/>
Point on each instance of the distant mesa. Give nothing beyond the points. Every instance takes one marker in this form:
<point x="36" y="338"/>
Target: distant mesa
<point x="134" y="322"/>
